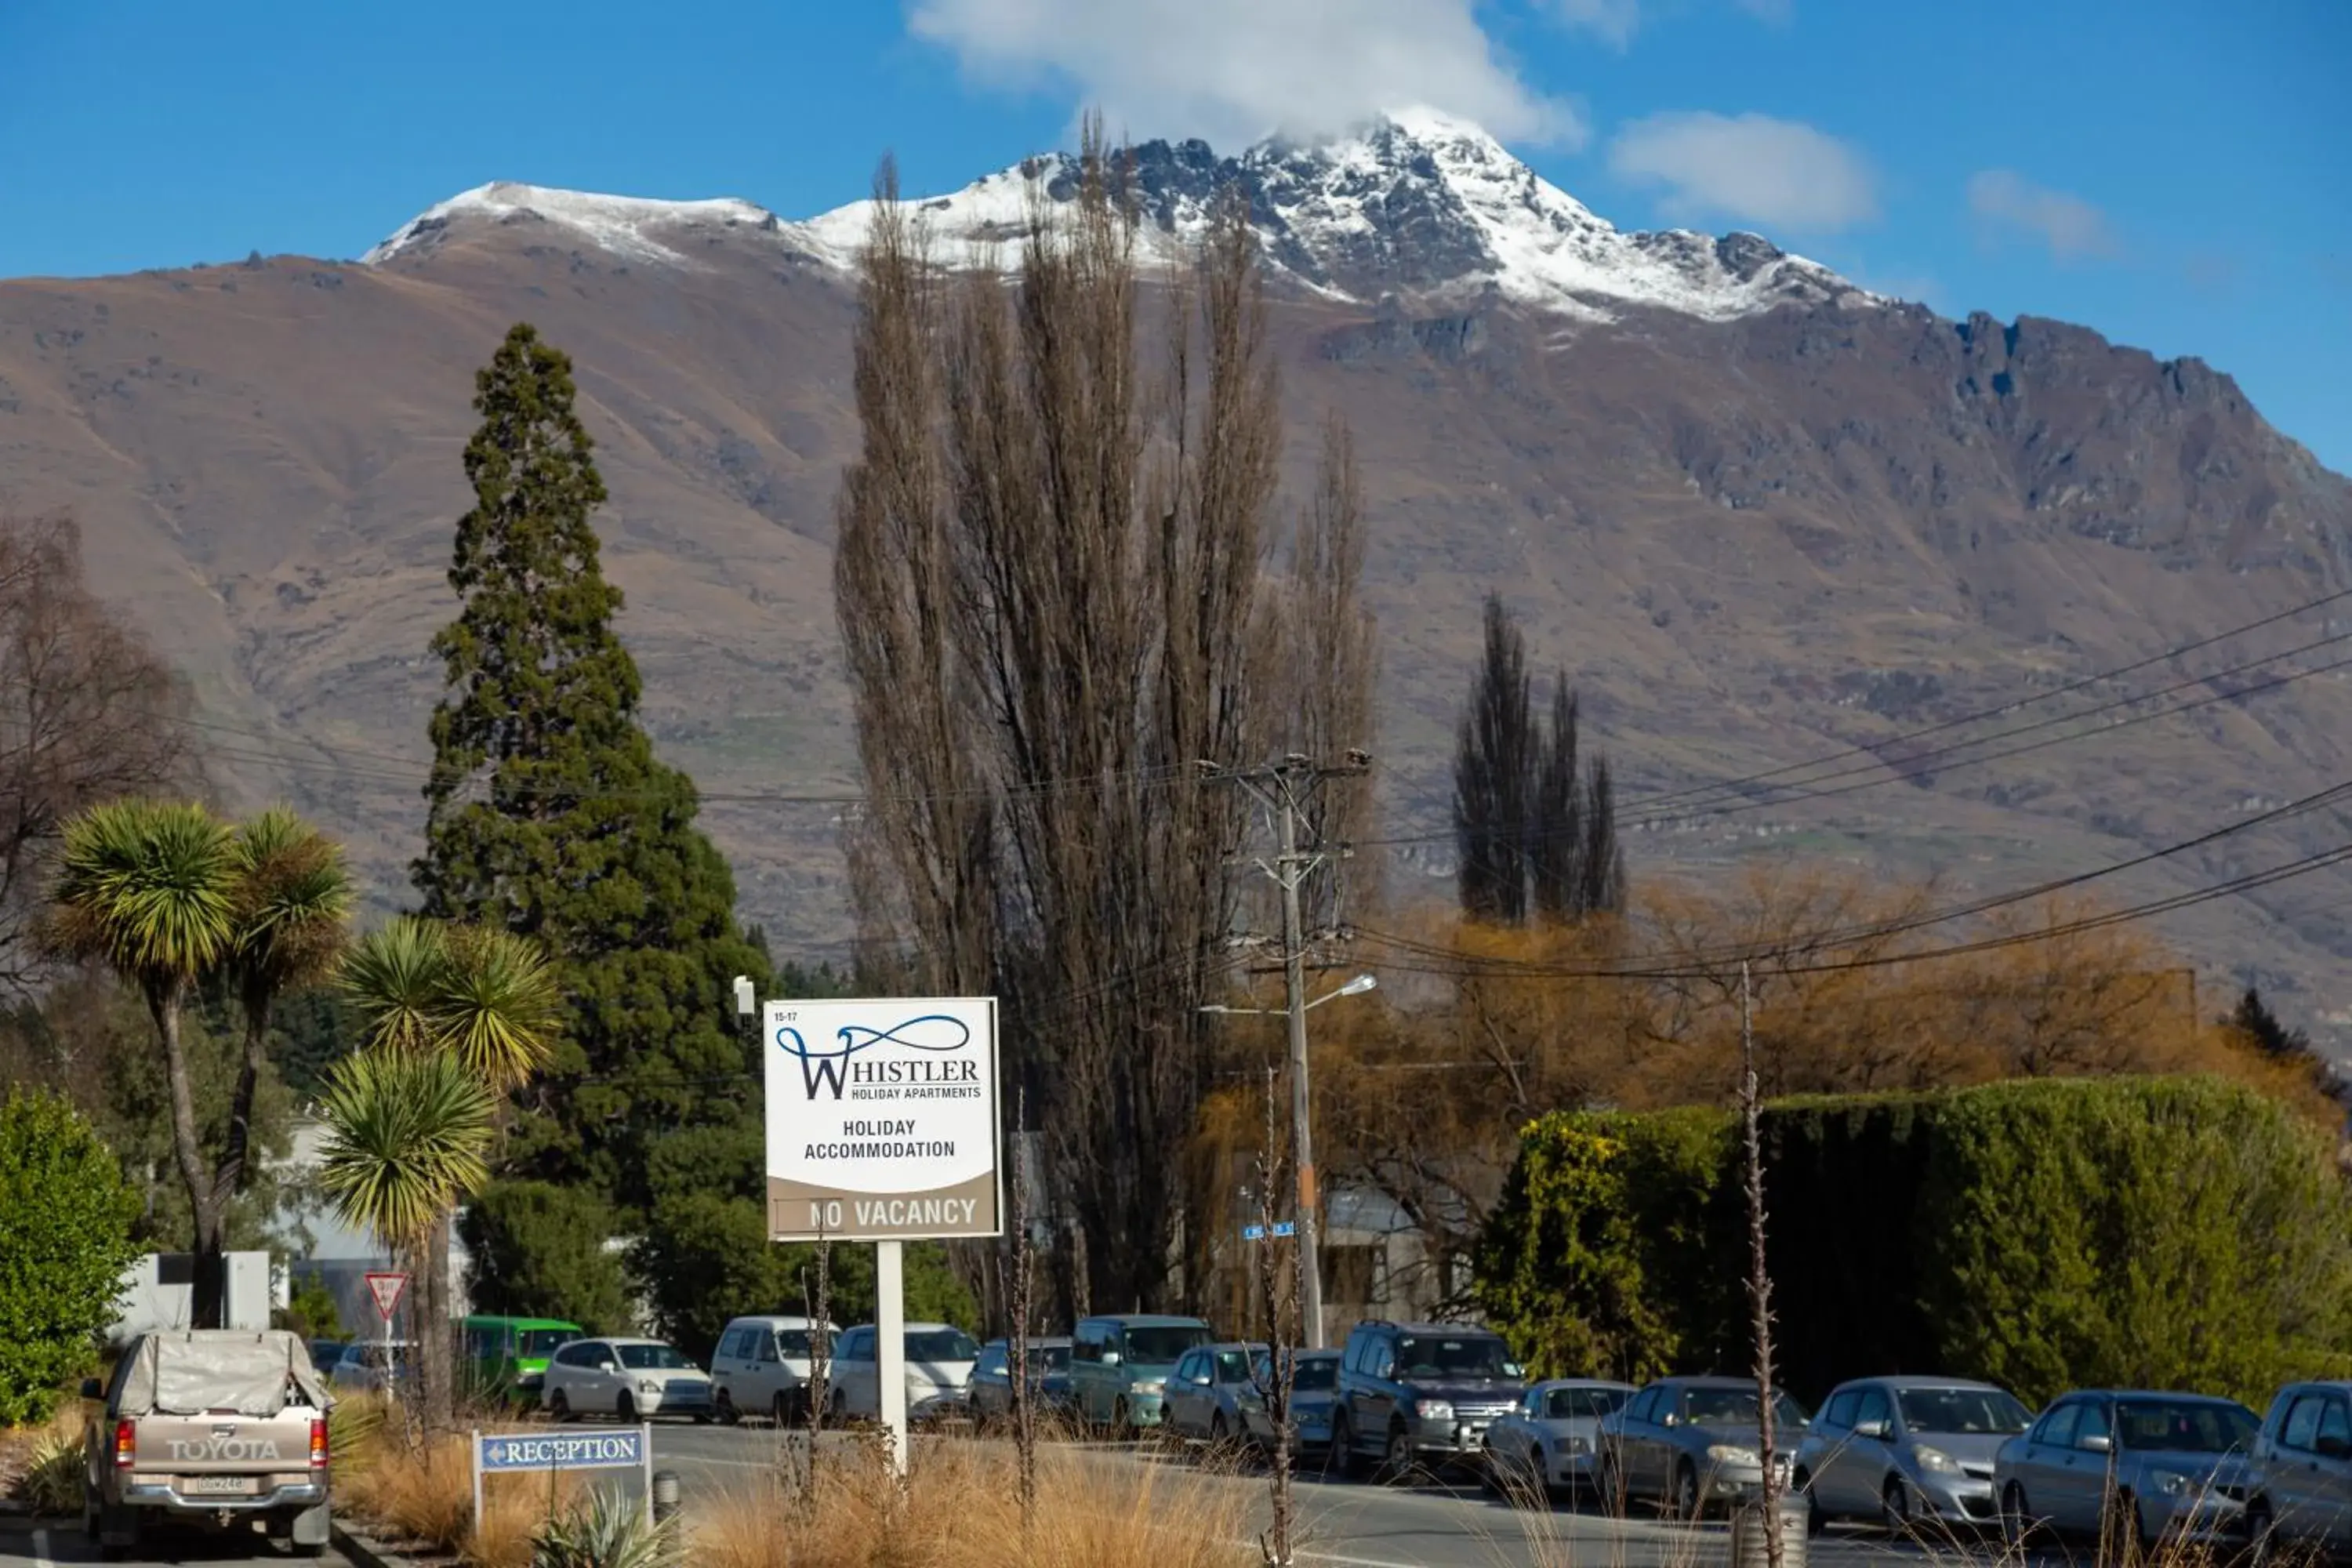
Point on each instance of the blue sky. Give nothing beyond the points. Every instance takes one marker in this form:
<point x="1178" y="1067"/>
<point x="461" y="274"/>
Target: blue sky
<point x="2176" y="174"/>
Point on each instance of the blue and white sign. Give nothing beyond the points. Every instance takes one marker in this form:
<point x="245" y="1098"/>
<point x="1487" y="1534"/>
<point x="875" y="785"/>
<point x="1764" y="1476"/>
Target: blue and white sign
<point x="619" y="1450"/>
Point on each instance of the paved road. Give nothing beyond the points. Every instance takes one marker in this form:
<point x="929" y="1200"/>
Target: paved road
<point x="49" y="1548"/>
<point x="1357" y="1526"/>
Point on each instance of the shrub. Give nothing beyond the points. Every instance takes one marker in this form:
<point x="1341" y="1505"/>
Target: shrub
<point x="66" y="1215"/>
<point x="2158" y="1232"/>
<point x="51" y="1484"/>
<point x="604" y="1529"/>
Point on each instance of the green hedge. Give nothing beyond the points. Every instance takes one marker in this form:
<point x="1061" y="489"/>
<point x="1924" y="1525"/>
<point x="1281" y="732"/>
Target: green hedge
<point x="2171" y="1233"/>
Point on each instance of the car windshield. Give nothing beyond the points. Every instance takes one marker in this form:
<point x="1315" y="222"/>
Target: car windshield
<point x="1568" y="1403"/>
<point x="2185" y="1427"/>
<point x="940" y="1345"/>
<point x="1962" y="1411"/>
<point x="792" y="1343"/>
<point x="1163" y="1344"/>
<point x="1233" y="1366"/>
<point x="1322" y="1373"/>
<point x="537" y="1344"/>
<point x="644" y="1358"/>
<point x="1053" y="1358"/>
<point x="1470" y="1355"/>
<point x="1738" y="1407"/>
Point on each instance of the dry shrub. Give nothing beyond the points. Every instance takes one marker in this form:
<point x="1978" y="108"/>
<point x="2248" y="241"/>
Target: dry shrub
<point x="41" y="1464"/>
<point x="422" y="1492"/>
<point x="961" y="1509"/>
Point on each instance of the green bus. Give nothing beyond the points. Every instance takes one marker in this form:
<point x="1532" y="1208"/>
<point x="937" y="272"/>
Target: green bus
<point x="506" y="1358"/>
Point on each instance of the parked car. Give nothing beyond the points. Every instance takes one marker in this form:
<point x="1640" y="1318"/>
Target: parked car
<point x="629" y="1379"/>
<point x="991" y="1379"/>
<point x="1907" y="1451"/>
<point x="764" y="1365"/>
<point x="1413" y="1394"/>
<point x="1208" y="1393"/>
<point x="1120" y="1367"/>
<point x="506" y="1357"/>
<point x="226" y="1428"/>
<point x="2157" y="1466"/>
<point x="2301" y="1495"/>
<point x="1546" y="1444"/>
<point x="1691" y="1442"/>
<point x="372" y="1366"/>
<point x="325" y="1353"/>
<point x="939" y="1358"/>
<point x="1314" y="1397"/>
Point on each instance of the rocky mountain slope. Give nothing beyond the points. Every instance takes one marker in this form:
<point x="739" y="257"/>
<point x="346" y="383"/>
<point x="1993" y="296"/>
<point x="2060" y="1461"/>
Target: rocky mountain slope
<point x="1760" y="515"/>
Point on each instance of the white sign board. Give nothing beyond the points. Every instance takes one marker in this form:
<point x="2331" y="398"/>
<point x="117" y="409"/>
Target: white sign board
<point x="387" y="1289"/>
<point x="882" y="1119"/>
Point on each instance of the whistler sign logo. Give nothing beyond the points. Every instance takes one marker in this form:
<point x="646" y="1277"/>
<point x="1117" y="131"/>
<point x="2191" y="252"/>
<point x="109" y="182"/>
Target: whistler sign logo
<point x="881" y="1118"/>
<point x="940" y="1033"/>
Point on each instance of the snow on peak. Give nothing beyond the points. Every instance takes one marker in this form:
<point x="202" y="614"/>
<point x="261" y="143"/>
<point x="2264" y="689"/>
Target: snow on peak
<point x="625" y="226"/>
<point x="1415" y="202"/>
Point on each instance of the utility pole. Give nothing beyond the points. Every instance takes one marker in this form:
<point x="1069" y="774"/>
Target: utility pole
<point x="1284" y="789"/>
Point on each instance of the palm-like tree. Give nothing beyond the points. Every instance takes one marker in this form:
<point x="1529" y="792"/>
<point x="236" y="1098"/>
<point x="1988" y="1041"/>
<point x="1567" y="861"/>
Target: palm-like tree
<point x="293" y="906"/>
<point x="150" y="890"/>
<point x="483" y="1002"/>
<point x="407" y="1134"/>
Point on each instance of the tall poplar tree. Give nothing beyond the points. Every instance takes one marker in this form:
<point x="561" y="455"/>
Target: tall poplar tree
<point x="550" y="815"/>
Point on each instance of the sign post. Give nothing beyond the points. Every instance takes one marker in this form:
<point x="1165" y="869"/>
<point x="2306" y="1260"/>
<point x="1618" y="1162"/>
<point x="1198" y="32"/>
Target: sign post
<point x="882" y="1127"/>
<point x="386" y="1286"/>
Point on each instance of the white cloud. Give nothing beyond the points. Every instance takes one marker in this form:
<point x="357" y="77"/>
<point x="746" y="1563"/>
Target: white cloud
<point x="1613" y="20"/>
<point x="1750" y="167"/>
<point x="2072" y="227"/>
<point x="1234" y="70"/>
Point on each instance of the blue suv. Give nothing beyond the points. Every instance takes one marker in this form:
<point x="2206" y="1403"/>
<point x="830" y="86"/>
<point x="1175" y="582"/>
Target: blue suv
<point x="1417" y="1394"/>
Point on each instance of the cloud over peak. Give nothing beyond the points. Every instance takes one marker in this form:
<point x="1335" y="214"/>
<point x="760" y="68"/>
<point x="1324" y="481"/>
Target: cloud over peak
<point x="1236" y="71"/>
<point x="2073" y="229"/>
<point x="1751" y="167"/>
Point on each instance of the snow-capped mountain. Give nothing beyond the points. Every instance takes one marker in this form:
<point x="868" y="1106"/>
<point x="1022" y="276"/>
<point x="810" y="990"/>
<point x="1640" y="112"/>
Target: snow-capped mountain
<point x="1416" y="204"/>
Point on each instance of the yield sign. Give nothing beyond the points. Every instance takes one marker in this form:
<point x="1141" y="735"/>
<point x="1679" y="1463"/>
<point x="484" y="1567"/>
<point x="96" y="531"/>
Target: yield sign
<point x="387" y="1289"/>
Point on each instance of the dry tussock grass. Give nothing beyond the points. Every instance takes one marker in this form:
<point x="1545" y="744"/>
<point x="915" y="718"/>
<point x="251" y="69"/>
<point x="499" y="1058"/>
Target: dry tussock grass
<point x="958" y="1510"/>
<point x="40" y="1463"/>
<point x="421" y="1491"/>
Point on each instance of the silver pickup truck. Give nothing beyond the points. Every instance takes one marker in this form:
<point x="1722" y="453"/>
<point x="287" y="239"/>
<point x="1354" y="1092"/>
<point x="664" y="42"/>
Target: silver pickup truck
<point x="218" y="1427"/>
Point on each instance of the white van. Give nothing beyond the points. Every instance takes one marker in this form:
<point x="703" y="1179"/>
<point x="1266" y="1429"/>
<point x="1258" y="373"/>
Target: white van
<point x="762" y="1367"/>
<point x="939" y="1358"/>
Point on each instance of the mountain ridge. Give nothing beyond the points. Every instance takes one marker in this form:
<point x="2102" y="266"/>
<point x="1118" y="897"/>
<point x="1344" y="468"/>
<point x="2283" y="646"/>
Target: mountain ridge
<point x="1414" y="203"/>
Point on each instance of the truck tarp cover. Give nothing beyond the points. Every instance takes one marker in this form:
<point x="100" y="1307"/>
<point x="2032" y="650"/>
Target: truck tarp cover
<point x="196" y="1371"/>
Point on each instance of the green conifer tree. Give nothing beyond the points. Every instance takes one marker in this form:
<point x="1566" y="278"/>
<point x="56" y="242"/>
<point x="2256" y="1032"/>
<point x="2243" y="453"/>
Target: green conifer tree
<point x="550" y="815"/>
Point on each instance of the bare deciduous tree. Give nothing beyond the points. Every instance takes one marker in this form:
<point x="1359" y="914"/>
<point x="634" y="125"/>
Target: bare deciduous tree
<point x="87" y="714"/>
<point x="1054" y="593"/>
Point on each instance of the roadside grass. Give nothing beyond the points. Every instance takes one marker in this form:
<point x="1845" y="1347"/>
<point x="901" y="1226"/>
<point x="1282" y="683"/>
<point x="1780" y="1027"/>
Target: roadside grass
<point x="418" y="1491"/>
<point x="959" y="1510"/>
<point x="41" y="1463"/>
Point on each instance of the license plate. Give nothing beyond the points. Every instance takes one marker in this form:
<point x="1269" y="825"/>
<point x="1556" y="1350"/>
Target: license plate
<point x="216" y="1486"/>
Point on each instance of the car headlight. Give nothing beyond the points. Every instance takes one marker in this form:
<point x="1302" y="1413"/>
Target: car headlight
<point x="647" y="1385"/>
<point x="1732" y="1454"/>
<point x="1579" y="1445"/>
<point x="2172" y="1483"/>
<point x="1938" y="1460"/>
<point x="1432" y="1409"/>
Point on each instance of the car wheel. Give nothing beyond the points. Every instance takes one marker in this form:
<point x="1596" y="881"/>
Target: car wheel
<point x="1688" y="1504"/>
<point x="780" y="1410"/>
<point x="1803" y="1483"/>
<point x="1343" y="1447"/>
<point x="840" y="1408"/>
<point x="722" y="1405"/>
<point x="1895" y="1507"/>
<point x="1539" y="1472"/>
<point x="1397" y="1461"/>
<point x="2261" y="1533"/>
<point x="625" y="1409"/>
<point x="559" y="1405"/>
<point x="2017" y="1524"/>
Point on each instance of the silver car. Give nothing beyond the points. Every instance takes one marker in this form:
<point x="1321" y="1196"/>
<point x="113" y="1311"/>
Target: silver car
<point x="2301" y="1495"/>
<point x="1689" y="1442"/>
<point x="1209" y="1393"/>
<point x="1546" y="1444"/>
<point x="1907" y="1451"/>
<point x="2111" y="1463"/>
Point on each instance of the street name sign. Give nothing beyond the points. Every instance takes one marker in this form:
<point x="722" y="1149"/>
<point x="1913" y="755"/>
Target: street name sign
<point x="882" y="1121"/>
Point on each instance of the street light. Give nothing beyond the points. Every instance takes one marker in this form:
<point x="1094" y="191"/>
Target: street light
<point x="1310" y="1260"/>
<point x="1356" y="987"/>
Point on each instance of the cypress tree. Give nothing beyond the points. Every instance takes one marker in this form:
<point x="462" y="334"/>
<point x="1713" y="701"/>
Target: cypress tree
<point x="549" y="813"/>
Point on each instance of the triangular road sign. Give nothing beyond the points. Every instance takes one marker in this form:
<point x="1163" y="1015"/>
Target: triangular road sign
<point x="387" y="1289"/>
